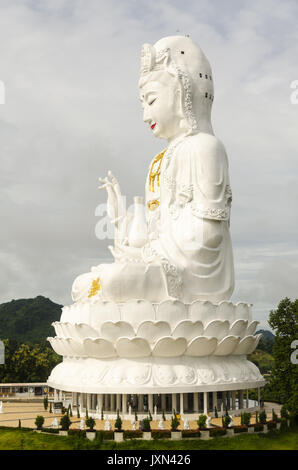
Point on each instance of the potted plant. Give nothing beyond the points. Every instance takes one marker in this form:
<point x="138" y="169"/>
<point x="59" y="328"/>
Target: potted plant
<point x="45" y="403"/>
<point x="118" y="434"/>
<point x="90" y="431"/>
<point x="175" y="434"/>
<point x="39" y="422"/>
<point x="146" y="428"/>
<point x="64" y="423"/>
<point x="263" y="420"/>
<point x="202" y="427"/>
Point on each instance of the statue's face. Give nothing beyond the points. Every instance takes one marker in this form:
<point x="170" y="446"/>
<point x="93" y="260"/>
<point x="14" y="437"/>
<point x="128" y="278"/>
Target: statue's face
<point x="161" y="100"/>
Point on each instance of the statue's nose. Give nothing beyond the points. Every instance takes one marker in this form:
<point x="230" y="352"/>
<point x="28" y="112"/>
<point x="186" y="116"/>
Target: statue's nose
<point x="146" y="117"/>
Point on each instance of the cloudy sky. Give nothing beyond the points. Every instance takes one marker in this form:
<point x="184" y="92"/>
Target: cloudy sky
<point x="70" y="70"/>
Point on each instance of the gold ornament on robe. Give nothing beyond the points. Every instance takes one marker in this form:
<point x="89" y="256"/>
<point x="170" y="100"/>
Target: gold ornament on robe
<point x="95" y="287"/>
<point x="155" y="172"/>
<point x="153" y="204"/>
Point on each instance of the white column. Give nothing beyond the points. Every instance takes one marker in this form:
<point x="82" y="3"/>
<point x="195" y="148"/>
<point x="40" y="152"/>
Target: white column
<point x="107" y="400"/>
<point x="113" y="399"/>
<point x="55" y="395"/>
<point x="81" y="402"/>
<point x="181" y="404"/>
<point x="118" y="402"/>
<point x="150" y="403"/>
<point x="224" y="400"/>
<point x="163" y="402"/>
<point x="174" y="402"/>
<point x="240" y="395"/>
<point x="233" y="400"/>
<point x="124" y="403"/>
<point x="214" y="401"/>
<point x="196" y="402"/>
<point x="99" y="402"/>
<point x="89" y="401"/>
<point x="141" y="403"/>
<point x="205" y="403"/>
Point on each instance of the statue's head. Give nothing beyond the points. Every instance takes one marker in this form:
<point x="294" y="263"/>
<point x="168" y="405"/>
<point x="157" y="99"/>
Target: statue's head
<point x="176" y="88"/>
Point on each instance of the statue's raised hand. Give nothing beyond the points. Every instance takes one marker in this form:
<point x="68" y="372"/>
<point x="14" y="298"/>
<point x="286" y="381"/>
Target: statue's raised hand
<point x="112" y="209"/>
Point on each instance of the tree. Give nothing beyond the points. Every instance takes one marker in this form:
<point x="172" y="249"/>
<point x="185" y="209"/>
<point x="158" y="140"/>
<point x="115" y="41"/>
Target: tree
<point x="284" y="377"/>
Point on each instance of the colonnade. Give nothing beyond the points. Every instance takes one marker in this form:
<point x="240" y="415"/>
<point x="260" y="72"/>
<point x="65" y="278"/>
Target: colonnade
<point x="197" y="402"/>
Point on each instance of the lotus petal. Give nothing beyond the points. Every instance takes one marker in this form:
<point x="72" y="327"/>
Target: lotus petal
<point x="217" y="328"/>
<point x="76" y="346"/>
<point x="65" y="314"/>
<point x="226" y="346"/>
<point x="58" y="329"/>
<point x="99" y="347"/>
<point x="136" y="311"/>
<point x="113" y="331"/>
<point x="135" y="347"/>
<point x="201" y="346"/>
<point x="226" y="311"/>
<point x="103" y="311"/>
<point x="171" y="311"/>
<point x="188" y="329"/>
<point x="242" y="311"/>
<point x="247" y="345"/>
<point x="238" y="328"/>
<point x="64" y="347"/>
<point x="203" y="311"/>
<point x="84" y="331"/>
<point x="56" y="345"/>
<point x="251" y="329"/>
<point x="169" y="347"/>
<point x="152" y="331"/>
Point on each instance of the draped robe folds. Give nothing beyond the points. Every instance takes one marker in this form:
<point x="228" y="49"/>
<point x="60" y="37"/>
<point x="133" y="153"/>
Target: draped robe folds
<point x="190" y="229"/>
<point x="188" y="255"/>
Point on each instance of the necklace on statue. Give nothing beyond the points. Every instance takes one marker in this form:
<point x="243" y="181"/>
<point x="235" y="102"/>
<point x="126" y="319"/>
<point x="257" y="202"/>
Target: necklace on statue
<point x="154" y="173"/>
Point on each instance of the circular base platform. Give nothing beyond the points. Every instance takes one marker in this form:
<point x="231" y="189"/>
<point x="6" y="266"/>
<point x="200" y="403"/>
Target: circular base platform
<point x="155" y="375"/>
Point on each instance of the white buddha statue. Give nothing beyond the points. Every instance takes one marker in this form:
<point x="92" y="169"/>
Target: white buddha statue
<point x="187" y="254"/>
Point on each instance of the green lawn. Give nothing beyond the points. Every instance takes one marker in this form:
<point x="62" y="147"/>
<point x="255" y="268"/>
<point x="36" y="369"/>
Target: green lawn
<point x="29" y="440"/>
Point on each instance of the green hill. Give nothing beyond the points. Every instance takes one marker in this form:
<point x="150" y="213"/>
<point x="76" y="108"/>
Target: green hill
<point x="28" y="320"/>
<point x="267" y="341"/>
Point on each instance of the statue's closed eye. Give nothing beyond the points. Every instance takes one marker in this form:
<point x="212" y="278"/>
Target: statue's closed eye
<point x="151" y="102"/>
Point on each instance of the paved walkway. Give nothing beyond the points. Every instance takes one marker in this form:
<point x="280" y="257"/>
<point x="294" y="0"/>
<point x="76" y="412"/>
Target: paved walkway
<point x="27" y="412"/>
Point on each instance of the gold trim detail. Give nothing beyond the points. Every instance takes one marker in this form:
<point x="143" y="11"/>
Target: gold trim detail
<point x="95" y="287"/>
<point x="152" y="205"/>
<point x="154" y="173"/>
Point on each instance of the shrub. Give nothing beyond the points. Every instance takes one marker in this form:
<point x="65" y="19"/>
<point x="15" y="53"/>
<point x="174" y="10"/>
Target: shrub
<point x="63" y="410"/>
<point x="215" y="413"/>
<point x="239" y="429"/>
<point x="102" y="416"/>
<point x="263" y="417"/>
<point x="271" y="425"/>
<point x="133" y="434"/>
<point x="217" y="432"/>
<point x="283" y="424"/>
<point x="86" y="415"/>
<point x="20" y="425"/>
<point x="174" y="423"/>
<point x="39" y="422"/>
<point x="258" y="427"/>
<point x="65" y="423"/>
<point x="246" y="419"/>
<point x="163" y="416"/>
<point x="90" y="423"/>
<point x="136" y="417"/>
<point x="76" y="432"/>
<point x="191" y="433"/>
<point x="257" y="417"/>
<point x="50" y="430"/>
<point x="274" y="415"/>
<point x="150" y="416"/>
<point x="118" y="423"/>
<point x="50" y="410"/>
<point x="145" y="425"/>
<point x="161" y="434"/>
<point x="284" y="412"/>
<point x="45" y="403"/>
<point x="226" y="420"/>
<point x="202" y="421"/>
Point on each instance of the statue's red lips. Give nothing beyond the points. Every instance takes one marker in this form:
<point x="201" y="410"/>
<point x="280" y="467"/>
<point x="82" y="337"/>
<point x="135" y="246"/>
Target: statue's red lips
<point x="153" y="125"/>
